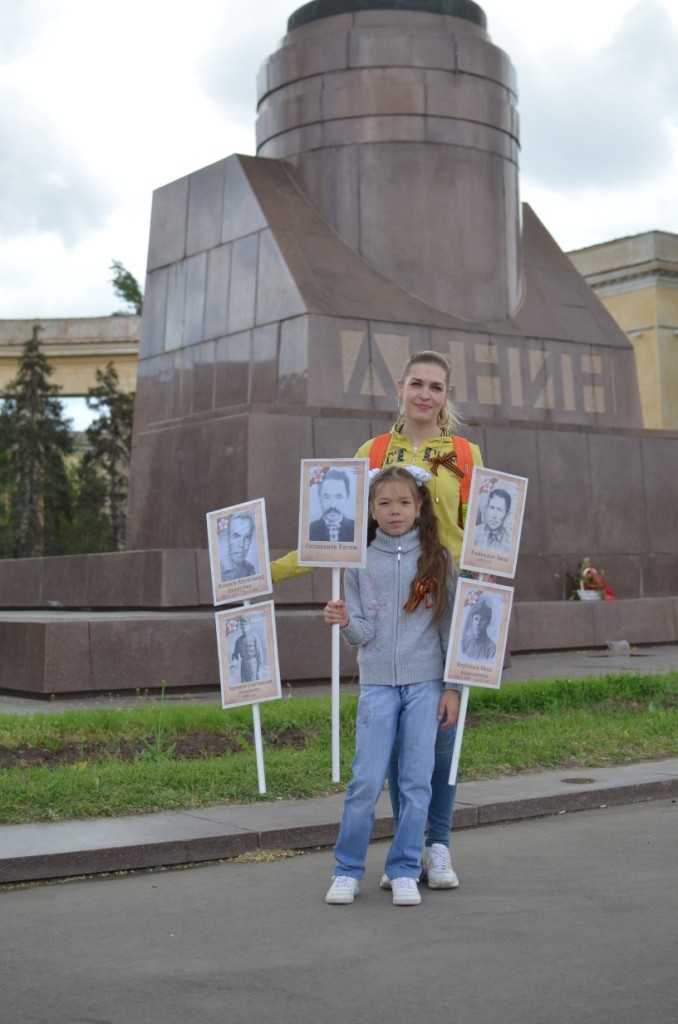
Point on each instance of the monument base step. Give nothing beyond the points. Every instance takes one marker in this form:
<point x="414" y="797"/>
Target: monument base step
<point x="66" y="653"/>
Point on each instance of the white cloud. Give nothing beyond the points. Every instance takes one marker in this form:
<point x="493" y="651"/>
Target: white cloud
<point x="101" y="104"/>
<point x="22" y="24"/>
<point x="230" y="62"/>
<point x="47" y="184"/>
<point x="603" y="118"/>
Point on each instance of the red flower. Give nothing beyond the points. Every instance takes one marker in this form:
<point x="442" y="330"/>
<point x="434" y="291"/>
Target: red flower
<point x="488" y="484"/>
<point x="318" y="475"/>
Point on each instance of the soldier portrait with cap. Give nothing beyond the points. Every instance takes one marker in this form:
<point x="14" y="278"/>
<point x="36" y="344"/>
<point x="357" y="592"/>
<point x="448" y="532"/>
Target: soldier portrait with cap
<point x="476" y="644"/>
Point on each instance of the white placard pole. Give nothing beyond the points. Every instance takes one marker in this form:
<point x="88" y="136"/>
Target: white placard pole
<point x="258" y="746"/>
<point x="336" y="773"/>
<point x="459" y="735"/>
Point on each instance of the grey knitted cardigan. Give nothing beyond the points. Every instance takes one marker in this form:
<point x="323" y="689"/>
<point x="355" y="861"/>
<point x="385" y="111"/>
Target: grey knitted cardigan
<point x="395" y="648"/>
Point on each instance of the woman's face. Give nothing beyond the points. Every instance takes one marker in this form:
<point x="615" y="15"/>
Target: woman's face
<point x="423" y="393"/>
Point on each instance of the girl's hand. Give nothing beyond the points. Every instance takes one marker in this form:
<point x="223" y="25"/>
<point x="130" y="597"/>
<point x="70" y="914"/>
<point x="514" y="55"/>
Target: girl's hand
<point x="448" y="709"/>
<point x="336" y="613"/>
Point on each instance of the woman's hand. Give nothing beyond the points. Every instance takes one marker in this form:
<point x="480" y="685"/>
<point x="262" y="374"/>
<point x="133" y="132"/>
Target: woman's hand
<point x="448" y="709"/>
<point x="336" y="613"/>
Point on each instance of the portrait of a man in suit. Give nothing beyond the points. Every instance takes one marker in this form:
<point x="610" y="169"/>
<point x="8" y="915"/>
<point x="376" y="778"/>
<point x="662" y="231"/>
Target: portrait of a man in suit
<point x="334" y="523"/>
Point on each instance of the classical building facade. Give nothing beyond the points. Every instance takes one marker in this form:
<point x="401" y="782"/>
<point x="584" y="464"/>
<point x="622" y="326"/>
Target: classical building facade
<point x="636" y="279"/>
<point x="76" y="348"/>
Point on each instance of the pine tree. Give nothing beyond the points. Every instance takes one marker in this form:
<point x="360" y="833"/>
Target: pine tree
<point x="126" y="287"/>
<point x="109" y="438"/>
<point x="35" y="439"/>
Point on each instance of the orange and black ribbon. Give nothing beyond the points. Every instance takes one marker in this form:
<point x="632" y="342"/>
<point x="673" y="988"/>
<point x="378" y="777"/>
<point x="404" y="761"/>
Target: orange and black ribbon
<point x="422" y="589"/>
<point x="449" y="461"/>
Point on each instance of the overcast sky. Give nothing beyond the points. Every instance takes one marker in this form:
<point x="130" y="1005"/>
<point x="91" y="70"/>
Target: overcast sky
<point x="102" y="103"/>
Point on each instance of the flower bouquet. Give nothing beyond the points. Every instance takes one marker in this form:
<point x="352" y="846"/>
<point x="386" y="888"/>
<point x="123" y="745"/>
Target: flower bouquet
<point x="588" y="584"/>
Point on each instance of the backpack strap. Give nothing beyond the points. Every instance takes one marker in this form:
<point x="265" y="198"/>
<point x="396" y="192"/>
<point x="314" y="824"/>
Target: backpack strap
<point x="464" y="455"/>
<point x="378" y="450"/>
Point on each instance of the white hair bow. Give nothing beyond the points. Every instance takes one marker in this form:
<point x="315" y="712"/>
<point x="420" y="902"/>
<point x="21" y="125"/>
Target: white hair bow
<point x="420" y="475"/>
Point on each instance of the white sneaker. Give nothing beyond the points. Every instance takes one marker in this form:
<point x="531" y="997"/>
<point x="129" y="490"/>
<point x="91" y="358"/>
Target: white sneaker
<point x="437" y="868"/>
<point x="384" y="882"/>
<point x="343" y="889"/>
<point x="405" y="892"/>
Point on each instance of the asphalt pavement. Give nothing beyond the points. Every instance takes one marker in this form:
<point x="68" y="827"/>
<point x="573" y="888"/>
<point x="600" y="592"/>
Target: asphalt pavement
<point x="64" y="849"/>
<point x="565" y="919"/>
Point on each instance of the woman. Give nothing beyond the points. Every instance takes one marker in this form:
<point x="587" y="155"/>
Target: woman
<point x="422" y="436"/>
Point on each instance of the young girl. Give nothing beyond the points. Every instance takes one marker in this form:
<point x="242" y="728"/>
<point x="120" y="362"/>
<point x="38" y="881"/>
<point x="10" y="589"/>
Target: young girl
<point x="397" y="612"/>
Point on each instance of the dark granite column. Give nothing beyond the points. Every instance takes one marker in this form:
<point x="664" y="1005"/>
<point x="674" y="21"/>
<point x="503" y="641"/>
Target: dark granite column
<point x="401" y="122"/>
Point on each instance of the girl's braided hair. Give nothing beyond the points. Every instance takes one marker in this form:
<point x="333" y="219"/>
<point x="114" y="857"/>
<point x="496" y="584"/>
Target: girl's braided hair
<point x="434" y="560"/>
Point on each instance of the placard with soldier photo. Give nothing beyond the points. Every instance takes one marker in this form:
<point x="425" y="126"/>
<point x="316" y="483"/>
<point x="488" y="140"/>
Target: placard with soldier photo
<point x="333" y="512"/>
<point x="478" y="633"/>
<point x="248" y="654"/>
<point x="238" y="550"/>
<point x="494" y="522"/>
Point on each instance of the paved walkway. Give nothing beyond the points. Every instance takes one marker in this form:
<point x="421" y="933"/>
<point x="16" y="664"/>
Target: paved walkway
<point x="568" y="919"/>
<point x="63" y="849"/>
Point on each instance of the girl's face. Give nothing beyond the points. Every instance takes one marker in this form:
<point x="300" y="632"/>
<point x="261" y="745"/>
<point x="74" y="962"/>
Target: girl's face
<point x="394" y="507"/>
<point x="423" y="393"/>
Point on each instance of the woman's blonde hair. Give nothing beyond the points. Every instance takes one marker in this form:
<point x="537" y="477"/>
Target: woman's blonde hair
<point x="449" y="415"/>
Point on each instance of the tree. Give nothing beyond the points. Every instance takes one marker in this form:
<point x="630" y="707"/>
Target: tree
<point x="109" y="439"/>
<point x="35" y="439"/>
<point x="90" y="527"/>
<point x="126" y="287"/>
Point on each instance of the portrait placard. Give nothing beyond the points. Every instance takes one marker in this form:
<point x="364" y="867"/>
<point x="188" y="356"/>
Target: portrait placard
<point x="248" y="654"/>
<point x="238" y="550"/>
<point x="494" y="522"/>
<point x="333" y="512"/>
<point x="478" y="633"/>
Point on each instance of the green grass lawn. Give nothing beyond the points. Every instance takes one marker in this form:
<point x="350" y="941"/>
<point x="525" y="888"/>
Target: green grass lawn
<point x="130" y="761"/>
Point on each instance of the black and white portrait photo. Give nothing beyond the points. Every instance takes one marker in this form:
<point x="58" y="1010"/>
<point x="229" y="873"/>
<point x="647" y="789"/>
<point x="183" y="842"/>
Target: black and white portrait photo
<point x="333" y="512"/>
<point x="238" y="549"/>
<point x="336" y="521"/>
<point x="494" y="522"/>
<point x="248" y="655"/>
<point x="478" y="634"/>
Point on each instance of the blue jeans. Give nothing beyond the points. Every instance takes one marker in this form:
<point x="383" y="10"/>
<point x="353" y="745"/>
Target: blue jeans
<point x="442" y="795"/>
<point x="384" y="712"/>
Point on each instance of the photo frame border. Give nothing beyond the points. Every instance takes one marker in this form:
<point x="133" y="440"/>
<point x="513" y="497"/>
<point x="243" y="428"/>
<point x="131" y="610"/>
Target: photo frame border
<point x="479" y="559"/>
<point x="248" y="586"/>
<point x="463" y="670"/>
<point x="354" y="552"/>
<point x="258" y="691"/>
